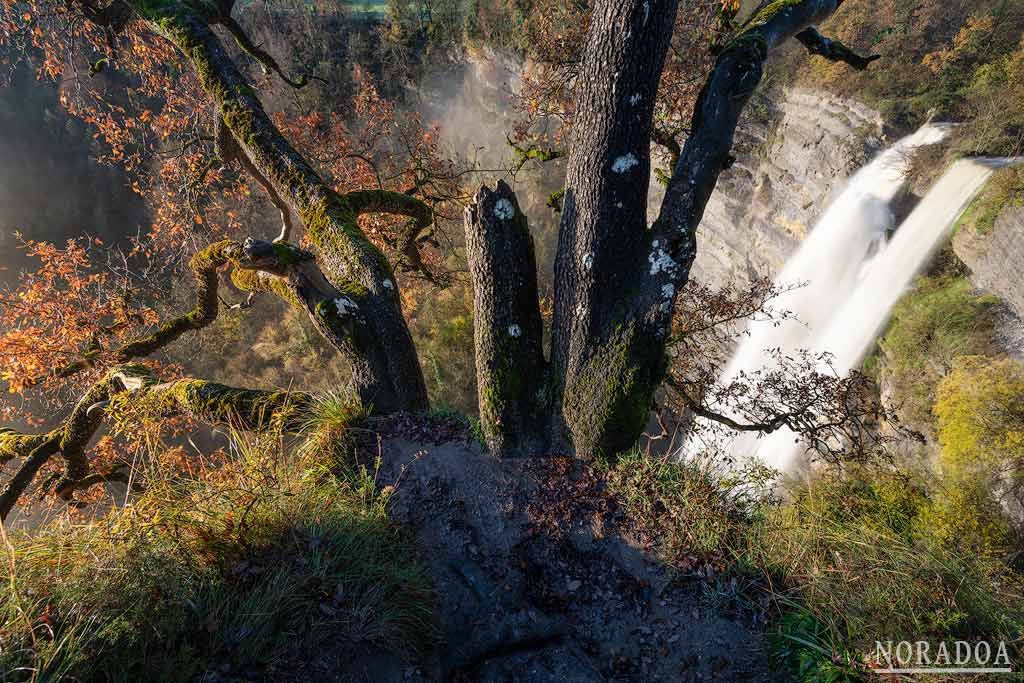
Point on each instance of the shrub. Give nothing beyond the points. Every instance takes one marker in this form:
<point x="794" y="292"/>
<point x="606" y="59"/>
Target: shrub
<point x="980" y="411"/>
<point x="850" y="562"/>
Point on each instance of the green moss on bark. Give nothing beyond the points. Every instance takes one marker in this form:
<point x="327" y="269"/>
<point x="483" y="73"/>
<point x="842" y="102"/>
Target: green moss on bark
<point x="608" y="401"/>
<point x="213" y="403"/>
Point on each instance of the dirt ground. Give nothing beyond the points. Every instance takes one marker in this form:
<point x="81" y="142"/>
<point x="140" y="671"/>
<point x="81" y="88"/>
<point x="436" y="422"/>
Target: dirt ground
<point x="537" y="577"/>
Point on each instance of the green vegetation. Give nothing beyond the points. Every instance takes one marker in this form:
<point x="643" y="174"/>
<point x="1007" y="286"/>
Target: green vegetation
<point x="442" y="326"/>
<point x="1005" y="189"/>
<point x="936" y="322"/>
<point x="251" y="568"/>
<point x="494" y="23"/>
<point x="850" y="557"/>
<point x="980" y="411"/>
<point x="957" y="61"/>
<point x="857" y="552"/>
<point x="694" y="511"/>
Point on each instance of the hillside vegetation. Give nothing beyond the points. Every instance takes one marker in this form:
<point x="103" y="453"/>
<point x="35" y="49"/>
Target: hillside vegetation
<point x="955" y="61"/>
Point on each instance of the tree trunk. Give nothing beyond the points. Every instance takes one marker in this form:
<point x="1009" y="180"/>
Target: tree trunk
<point x="607" y="353"/>
<point x="616" y="279"/>
<point x="508" y="332"/>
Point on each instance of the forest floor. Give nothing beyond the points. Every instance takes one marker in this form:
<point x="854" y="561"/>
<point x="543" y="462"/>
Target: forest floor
<point x="538" y="574"/>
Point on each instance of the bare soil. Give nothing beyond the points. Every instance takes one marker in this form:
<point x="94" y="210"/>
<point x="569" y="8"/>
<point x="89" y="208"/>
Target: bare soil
<point x="537" y="575"/>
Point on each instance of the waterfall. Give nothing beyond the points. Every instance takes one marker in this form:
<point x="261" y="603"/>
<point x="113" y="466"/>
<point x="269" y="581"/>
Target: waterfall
<point x="852" y="278"/>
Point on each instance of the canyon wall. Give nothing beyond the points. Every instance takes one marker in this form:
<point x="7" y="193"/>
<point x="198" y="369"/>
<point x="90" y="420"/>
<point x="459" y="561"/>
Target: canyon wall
<point x="996" y="257"/>
<point x="789" y="164"/>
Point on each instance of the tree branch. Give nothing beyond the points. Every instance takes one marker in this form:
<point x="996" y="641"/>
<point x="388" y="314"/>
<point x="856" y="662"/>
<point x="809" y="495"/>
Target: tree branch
<point x="258" y="266"/>
<point x="228" y="150"/>
<point x="383" y="356"/>
<point x="524" y="154"/>
<point x="833" y="50"/>
<point x="396" y="203"/>
<point x="266" y="62"/>
<point x="419" y="231"/>
<point x="698" y="408"/>
<point x="130" y="390"/>
<point x="667" y="140"/>
<point x="737" y="72"/>
<point x="204" y="266"/>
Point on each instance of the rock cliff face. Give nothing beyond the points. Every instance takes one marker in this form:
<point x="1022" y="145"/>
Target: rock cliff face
<point x="787" y="169"/>
<point x="996" y="258"/>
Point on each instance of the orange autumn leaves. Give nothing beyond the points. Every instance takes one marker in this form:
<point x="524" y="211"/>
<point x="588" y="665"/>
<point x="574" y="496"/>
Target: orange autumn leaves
<point x="150" y="117"/>
<point x="60" y="310"/>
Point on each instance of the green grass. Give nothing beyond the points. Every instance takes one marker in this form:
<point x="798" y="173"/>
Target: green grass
<point x="693" y="509"/>
<point x="255" y="568"/>
<point x="1005" y="189"/>
<point x="845" y="560"/>
<point x="850" y="563"/>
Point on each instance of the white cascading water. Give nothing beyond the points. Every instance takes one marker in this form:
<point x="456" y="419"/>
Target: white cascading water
<point x="852" y="277"/>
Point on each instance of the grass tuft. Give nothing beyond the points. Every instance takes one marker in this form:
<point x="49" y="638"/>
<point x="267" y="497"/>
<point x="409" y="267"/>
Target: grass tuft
<point x="244" y="573"/>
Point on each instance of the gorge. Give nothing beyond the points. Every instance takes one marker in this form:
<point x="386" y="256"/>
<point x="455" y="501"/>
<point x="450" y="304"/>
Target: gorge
<point x="374" y="359"/>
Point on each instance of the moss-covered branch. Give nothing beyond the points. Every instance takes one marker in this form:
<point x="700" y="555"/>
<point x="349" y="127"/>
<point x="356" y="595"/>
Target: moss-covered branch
<point x="19" y="483"/>
<point x="267" y="62"/>
<point x="395" y="203"/>
<point x="278" y="268"/>
<point x="386" y="357"/>
<point x="214" y="404"/>
<point x="409" y="241"/>
<point x="525" y="154"/>
<point x="204" y="266"/>
<point x="130" y="391"/>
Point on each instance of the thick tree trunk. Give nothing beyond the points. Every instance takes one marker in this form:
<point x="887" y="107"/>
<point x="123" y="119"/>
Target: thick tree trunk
<point x="616" y="279"/>
<point x="606" y="359"/>
<point x="508" y="332"/>
<point x="385" y="368"/>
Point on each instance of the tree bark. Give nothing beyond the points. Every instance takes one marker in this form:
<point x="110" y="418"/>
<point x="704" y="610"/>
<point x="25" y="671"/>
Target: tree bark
<point x="508" y="331"/>
<point x="606" y="361"/>
<point x="616" y="280"/>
